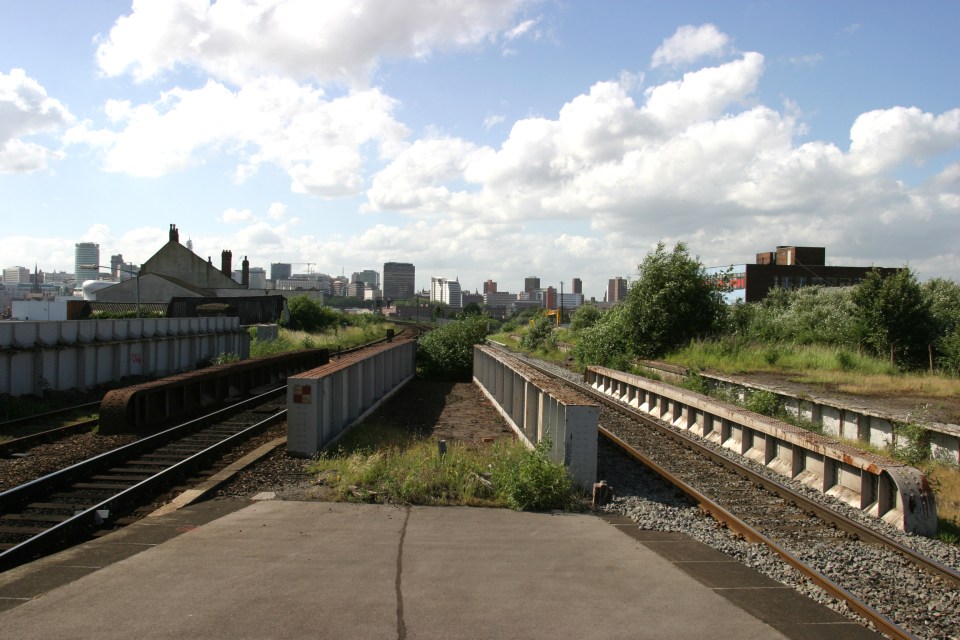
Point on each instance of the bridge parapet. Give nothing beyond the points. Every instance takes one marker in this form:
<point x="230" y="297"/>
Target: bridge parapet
<point x="538" y="408"/>
<point x="325" y="402"/>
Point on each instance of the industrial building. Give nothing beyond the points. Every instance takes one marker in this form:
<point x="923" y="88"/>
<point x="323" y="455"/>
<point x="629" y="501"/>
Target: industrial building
<point x="788" y="267"/>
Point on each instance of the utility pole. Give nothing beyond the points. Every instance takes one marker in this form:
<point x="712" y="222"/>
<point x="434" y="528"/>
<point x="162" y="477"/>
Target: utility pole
<point x="560" y="317"/>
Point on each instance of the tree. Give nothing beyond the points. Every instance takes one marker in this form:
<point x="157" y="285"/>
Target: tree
<point x="672" y="301"/>
<point x="944" y="298"/>
<point x="472" y="309"/>
<point x="894" y="316"/>
<point x="585" y="316"/>
<point x="307" y="315"/>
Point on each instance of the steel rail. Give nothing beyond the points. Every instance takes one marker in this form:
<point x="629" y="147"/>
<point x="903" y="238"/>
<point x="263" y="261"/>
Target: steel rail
<point x="751" y="534"/>
<point x="883" y="623"/>
<point x="93" y="516"/>
<point x="844" y="523"/>
<point x="21" y="444"/>
<point x="49" y="414"/>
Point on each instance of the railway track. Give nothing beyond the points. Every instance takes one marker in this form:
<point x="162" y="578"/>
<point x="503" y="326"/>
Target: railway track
<point x="58" y="509"/>
<point x="50" y="512"/>
<point x="24" y="433"/>
<point x="901" y="592"/>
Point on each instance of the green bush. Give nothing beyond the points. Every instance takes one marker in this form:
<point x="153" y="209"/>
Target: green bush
<point x="606" y="343"/>
<point x="765" y="403"/>
<point x="585" y="317"/>
<point x="538" y="335"/>
<point x="534" y="483"/>
<point x="446" y="353"/>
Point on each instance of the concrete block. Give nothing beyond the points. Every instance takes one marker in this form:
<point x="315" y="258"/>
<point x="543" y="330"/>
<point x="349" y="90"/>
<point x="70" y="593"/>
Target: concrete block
<point x="25" y="334"/>
<point x="48" y="333"/>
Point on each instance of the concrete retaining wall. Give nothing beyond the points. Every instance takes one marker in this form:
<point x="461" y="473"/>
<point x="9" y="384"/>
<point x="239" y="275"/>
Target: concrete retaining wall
<point x="896" y="493"/>
<point x="537" y="408"/>
<point x="852" y="423"/>
<point x="77" y="354"/>
<point x="323" y="403"/>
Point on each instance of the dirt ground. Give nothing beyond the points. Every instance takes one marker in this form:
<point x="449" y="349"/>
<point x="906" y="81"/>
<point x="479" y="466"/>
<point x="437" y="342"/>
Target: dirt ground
<point x="452" y="411"/>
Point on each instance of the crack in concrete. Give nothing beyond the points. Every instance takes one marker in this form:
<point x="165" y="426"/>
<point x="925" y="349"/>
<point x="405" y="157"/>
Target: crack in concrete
<point x="401" y="624"/>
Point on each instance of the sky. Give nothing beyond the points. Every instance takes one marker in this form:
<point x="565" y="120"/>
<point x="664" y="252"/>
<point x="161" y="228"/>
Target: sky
<point x="488" y="139"/>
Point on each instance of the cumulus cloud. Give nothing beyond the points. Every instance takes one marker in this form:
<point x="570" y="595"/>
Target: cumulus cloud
<point x="689" y="44"/>
<point x="234" y="216"/>
<point x="882" y="139"/>
<point x="695" y="159"/>
<point x="316" y="140"/>
<point x="27" y="110"/>
<point x="277" y="210"/>
<point x="237" y="40"/>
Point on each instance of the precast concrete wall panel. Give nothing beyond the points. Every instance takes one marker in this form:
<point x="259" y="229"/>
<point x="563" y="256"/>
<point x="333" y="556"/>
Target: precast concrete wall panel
<point x="25" y="334"/>
<point x="6" y="334"/>
<point x="48" y="333"/>
<point x="323" y="403"/>
<point x="107" y="350"/>
<point x="539" y="409"/>
<point x="818" y="461"/>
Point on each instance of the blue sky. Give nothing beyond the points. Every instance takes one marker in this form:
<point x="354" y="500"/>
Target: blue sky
<point x="495" y="139"/>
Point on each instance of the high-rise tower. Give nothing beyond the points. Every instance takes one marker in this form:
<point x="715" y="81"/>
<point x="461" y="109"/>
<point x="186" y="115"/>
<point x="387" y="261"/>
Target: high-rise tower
<point x="86" y="254"/>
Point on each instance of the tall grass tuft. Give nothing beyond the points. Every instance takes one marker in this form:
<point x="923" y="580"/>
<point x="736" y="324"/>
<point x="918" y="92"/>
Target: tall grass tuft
<point x="389" y="464"/>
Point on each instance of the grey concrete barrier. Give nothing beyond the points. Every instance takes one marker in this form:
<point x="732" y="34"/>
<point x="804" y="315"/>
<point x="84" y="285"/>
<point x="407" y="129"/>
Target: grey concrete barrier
<point x="899" y="494"/>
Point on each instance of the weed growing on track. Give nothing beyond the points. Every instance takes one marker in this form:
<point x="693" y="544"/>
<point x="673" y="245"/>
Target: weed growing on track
<point x="384" y="463"/>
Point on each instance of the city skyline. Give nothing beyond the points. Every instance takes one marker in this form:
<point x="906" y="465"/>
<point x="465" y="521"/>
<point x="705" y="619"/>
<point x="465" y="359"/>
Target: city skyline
<point x="481" y="140"/>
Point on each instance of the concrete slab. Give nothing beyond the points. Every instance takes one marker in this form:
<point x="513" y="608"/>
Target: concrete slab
<point x="285" y="569"/>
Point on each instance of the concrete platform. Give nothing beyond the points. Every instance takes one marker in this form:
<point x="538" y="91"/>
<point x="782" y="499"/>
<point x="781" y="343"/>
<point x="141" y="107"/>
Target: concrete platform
<point x="271" y="569"/>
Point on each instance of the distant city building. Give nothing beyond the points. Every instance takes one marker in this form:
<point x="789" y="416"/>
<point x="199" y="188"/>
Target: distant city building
<point x="616" y="289"/>
<point x="258" y="278"/>
<point x="446" y="291"/>
<point x="570" y="301"/>
<point x="115" y="263"/>
<point x="531" y="283"/>
<point x="399" y="280"/>
<point x="367" y="276"/>
<point x="355" y="289"/>
<point x="280" y="270"/>
<point x="371" y="293"/>
<point x="489" y="287"/>
<point x="788" y="267"/>
<point x="88" y="255"/>
<point x="576" y="285"/>
<point x="468" y="298"/>
<point x="499" y="299"/>
<point x="550" y="298"/>
<point x="16" y="275"/>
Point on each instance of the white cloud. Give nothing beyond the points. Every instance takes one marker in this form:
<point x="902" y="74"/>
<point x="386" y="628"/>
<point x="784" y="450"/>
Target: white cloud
<point x="882" y="139"/>
<point x="277" y="210"/>
<point x="27" y="110"/>
<point x="493" y="120"/>
<point x="238" y="40"/>
<point x="521" y="29"/>
<point x="689" y="44"/>
<point x="234" y="216"/>
<point x="316" y="140"/>
<point x="695" y="161"/>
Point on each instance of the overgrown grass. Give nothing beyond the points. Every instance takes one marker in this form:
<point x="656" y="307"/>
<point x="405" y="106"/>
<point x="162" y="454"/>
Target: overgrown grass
<point x="945" y="480"/>
<point x="384" y="463"/>
<point x="288" y="340"/>
<point x="839" y="368"/>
